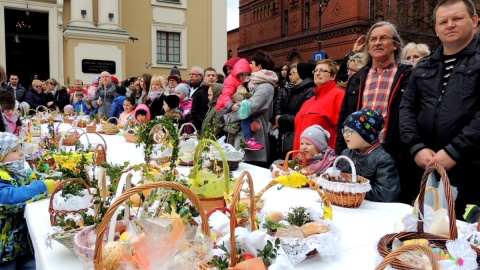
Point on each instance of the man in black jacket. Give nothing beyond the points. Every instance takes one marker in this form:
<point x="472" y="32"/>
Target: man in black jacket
<point x="440" y="110"/>
<point x="379" y="86"/>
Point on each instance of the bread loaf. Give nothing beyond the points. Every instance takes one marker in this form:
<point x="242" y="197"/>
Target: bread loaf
<point x="313" y="228"/>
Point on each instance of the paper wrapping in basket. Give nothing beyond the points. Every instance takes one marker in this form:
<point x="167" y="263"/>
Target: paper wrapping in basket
<point x="70" y="202"/>
<point x="207" y="184"/>
<point x="349" y="185"/>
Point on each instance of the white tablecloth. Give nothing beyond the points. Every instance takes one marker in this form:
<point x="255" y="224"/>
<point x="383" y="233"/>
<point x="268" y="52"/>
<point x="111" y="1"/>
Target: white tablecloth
<point x="361" y="228"/>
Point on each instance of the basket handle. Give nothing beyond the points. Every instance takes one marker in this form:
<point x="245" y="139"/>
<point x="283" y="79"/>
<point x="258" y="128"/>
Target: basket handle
<point x="57" y="189"/>
<point x="304" y="159"/>
<point x="102" y="148"/>
<point x="113" y="117"/>
<point x="244" y="177"/>
<point x="154" y="129"/>
<point x="404" y="249"/>
<point x="41" y="106"/>
<point x="60" y="144"/>
<point x="198" y="151"/>
<point x="352" y="166"/>
<point x="125" y="196"/>
<point x="96" y="133"/>
<point x="186" y="124"/>
<point x="218" y="208"/>
<point x="448" y="193"/>
<point x="435" y="197"/>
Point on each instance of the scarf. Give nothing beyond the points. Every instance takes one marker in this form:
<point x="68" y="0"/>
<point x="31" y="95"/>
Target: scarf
<point x="12" y="123"/>
<point x="322" y="161"/>
<point x="262" y="76"/>
<point x="152" y="95"/>
<point x="16" y="168"/>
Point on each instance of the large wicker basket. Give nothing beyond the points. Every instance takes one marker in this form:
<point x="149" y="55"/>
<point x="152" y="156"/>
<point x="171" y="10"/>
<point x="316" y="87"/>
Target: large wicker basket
<point x="101" y="228"/>
<point x="344" y="189"/>
<point x="384" y="245"/>
<point x="394" y="254"/>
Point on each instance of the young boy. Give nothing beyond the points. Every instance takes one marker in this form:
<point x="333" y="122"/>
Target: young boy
<point x="16" y="189"/>
<point x="79" y="105"/>
<point x="314" y="143"/>
<point x="117" y="104"/>
<point x="360" y="132"/>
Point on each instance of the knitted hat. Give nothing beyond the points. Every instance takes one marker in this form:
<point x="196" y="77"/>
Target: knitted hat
<point x="176" y="71"/>
<point x="183" y="88"/>
<point x="172" y="101"/>
<point x="317" y="136"/>
<point x="367" y="123"/>
<point x="68" y="108"/>
<point x="305" y="69"/>
<point x="8" y="141"/>
<point x="174" y="77"/>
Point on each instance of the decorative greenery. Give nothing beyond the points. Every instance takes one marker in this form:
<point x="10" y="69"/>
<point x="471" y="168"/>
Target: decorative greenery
<point x="147" y="140"/>
<point x="271" y="226"/>
<point x="223" y="263"/>
<point x="213" y="129"/>
<point x="269" y="252"/>
<point x="298" y="216"/>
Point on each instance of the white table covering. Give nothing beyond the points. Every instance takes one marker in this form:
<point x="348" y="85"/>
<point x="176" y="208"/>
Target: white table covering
<point x="361" y="228"/>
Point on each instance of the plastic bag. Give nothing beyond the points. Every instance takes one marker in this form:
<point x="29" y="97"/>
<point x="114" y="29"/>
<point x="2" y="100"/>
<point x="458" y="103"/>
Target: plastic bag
<point x="438" y="185"/>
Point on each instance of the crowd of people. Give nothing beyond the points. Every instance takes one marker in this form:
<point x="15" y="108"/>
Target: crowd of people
<point x="392" y="109"/>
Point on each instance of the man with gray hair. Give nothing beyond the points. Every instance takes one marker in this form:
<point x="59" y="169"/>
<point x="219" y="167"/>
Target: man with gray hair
<point x="103" y="98"/>
<point x="379" y="86"/>
<point x="199" y="95"/>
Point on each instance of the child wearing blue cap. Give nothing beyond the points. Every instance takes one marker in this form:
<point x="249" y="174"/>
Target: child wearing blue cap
<point x="371" y="161"/>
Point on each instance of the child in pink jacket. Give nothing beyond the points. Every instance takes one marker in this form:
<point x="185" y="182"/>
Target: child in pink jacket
<point x="230" y="86"/>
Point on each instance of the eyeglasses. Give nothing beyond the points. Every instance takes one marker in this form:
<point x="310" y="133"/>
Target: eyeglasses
<point x="352" y="70"/>
<point x="381" y="39"/>
<point x="413" y="57"/>
<point x="195" y="74"/>
<point x="171" y="80"/>
<point x="321" y="70"/>
<point x="105" y="77"/>
<point x="36" y="86"/>
<point x="348" y="132"/>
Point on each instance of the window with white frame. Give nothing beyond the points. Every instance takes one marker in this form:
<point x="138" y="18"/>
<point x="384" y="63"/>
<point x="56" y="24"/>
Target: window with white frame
<point x="168" y="47"/>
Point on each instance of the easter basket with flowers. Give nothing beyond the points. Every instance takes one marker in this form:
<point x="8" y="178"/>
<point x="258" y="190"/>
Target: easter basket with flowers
<point x="297" y="164"/>
<point x="159" y="139"/>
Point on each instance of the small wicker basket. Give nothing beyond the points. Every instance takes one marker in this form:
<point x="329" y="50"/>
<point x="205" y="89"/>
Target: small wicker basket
<point x="109" y="128"/>
<point x="283" y="168"/>
<point x="345" y="189"/>
<point x="130" y="136"/>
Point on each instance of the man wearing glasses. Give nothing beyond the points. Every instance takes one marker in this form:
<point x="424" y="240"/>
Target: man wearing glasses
<point x="379" y="86"/>
<point x="199" y="95"/>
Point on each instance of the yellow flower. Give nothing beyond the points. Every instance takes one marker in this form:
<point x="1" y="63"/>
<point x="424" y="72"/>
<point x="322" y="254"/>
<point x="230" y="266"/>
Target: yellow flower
<point x="228" y="197"/>
<point x="328" y="212"/>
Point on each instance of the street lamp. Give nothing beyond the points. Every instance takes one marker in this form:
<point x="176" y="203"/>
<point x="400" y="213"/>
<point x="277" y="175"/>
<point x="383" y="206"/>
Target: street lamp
<point x="322" y="5"/>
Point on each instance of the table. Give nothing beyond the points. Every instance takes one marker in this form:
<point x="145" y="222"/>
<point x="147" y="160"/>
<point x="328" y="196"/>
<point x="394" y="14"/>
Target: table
<point x="361" y="228"/>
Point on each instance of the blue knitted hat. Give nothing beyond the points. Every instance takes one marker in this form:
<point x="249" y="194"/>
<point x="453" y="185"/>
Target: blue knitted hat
<point x="367" y="123"/>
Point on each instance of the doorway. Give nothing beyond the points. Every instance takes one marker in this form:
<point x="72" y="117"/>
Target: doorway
<point x="26" y="45"/>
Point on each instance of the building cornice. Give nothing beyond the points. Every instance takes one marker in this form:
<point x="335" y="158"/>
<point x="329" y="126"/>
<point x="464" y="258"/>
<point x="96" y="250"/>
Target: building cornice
<point x="99" y="34"/>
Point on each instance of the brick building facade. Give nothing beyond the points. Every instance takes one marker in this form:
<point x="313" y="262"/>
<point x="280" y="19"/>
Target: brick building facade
<point x="288" y="29"/>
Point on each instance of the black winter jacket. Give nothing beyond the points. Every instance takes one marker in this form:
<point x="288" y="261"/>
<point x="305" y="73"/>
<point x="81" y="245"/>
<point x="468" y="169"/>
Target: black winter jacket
<point x="60" y="99"/>
<point x="378" y="166"/>
<point x="353" y="102"/>
<point x="298" y="95"/>
<point x="449" y="120"/>
<point x="155" y="106"/>
<point x="35" y="99"/>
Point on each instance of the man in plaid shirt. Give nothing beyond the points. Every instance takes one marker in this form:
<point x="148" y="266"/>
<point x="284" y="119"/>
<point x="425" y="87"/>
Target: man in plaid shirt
<point x="379" y="86"/>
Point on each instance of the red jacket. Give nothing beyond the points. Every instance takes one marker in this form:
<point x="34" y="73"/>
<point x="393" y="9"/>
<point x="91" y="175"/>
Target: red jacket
<point x="322" y="109"/>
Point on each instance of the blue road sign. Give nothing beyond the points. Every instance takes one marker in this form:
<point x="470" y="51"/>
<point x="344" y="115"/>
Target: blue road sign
<point x="317" y="56"/>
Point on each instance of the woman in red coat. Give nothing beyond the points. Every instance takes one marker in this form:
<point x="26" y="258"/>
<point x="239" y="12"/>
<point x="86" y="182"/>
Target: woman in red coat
<point x="324" y="107"/>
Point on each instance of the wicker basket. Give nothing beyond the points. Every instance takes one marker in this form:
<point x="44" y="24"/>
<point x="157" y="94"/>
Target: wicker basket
<point x="282" y="167"/>
<point x="66" y="238"/>
<point x="69" y="138"/>
<point x="55" y="213"/>
<point x="404" y="249"/>
<point x="161" y="136"/>
<point x="100" y="151"/>
<point x="385" y="243"/>
<point x="346" y="190"/>
<point x="130" y="136"/>
<point x="101" y="228"/>
<point x="210" y="203"/>
<point x="68" y="119"/>
<point x="91" y="128"/>
<point x="109" y="128"/>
